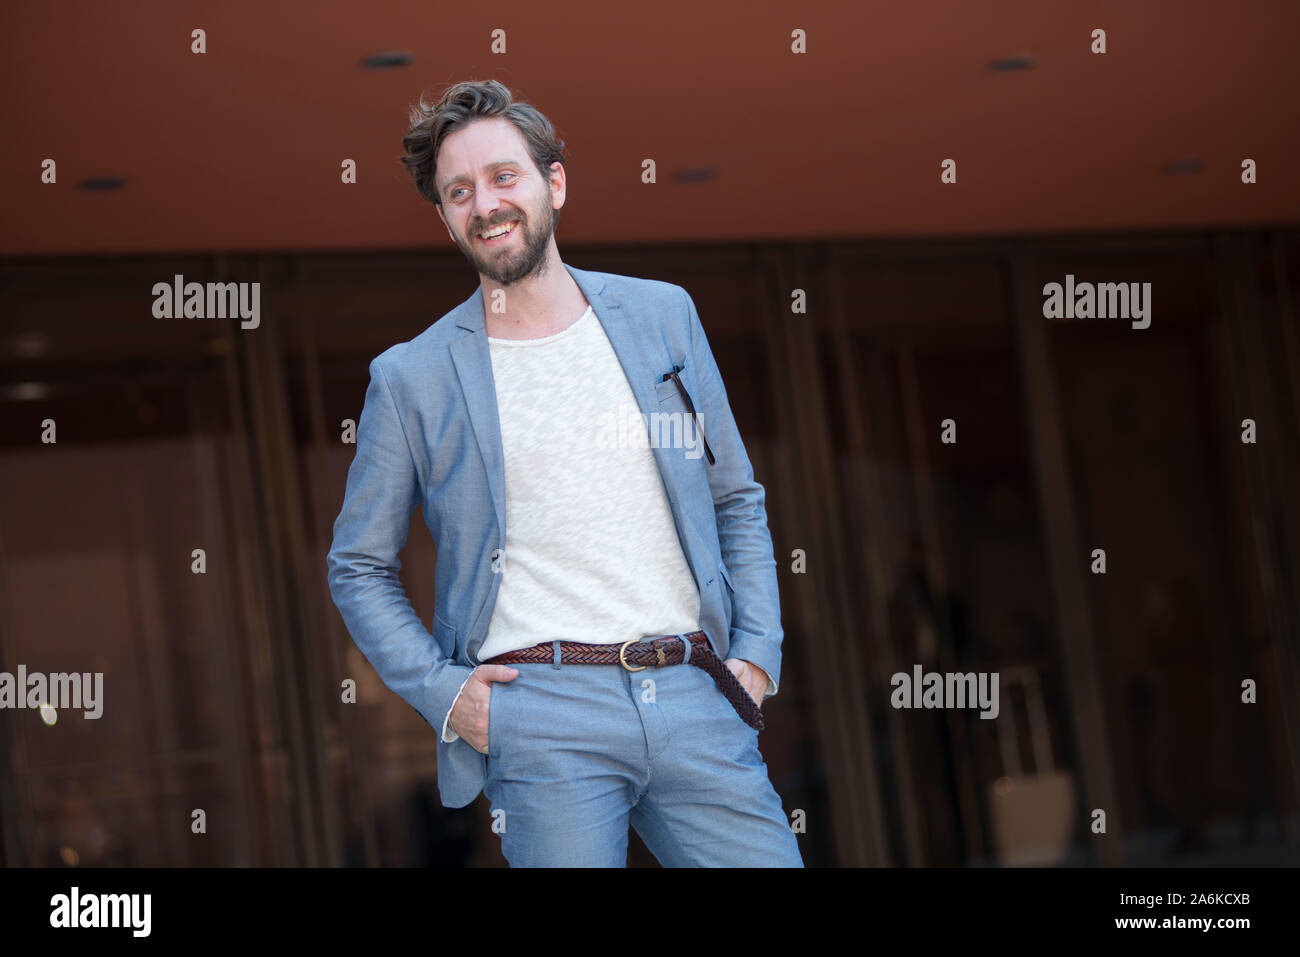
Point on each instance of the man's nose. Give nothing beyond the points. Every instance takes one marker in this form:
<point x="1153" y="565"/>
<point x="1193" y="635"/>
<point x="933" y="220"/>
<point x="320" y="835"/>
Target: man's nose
<point x="486" y="205"/>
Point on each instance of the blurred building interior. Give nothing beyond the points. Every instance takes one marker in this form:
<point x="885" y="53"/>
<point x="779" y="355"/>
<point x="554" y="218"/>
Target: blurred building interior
<point x="1122" y="691"/>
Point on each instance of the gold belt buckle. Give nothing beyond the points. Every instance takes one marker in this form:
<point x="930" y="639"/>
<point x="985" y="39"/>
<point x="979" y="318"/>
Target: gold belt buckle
<point x="623" y="661"/>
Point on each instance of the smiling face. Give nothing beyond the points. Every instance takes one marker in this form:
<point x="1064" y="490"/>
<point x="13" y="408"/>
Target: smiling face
<point x="487" y="180"/>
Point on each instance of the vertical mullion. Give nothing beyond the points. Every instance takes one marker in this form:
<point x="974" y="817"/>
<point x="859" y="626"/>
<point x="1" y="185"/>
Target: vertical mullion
<point x="1065" y="562"/>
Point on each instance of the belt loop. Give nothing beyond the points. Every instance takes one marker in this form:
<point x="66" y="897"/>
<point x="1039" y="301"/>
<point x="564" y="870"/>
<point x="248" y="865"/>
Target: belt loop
<point x="555" y="659"/>
<point x="686" y="657"/>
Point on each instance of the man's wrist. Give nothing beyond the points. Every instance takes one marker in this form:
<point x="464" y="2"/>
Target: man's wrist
<point x="767" y="679"/>
<point x="449" y="734"/>
<point x="759" y="654"/>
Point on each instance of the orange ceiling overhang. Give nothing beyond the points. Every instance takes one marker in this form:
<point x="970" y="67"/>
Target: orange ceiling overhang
<point x="240" y="148"/>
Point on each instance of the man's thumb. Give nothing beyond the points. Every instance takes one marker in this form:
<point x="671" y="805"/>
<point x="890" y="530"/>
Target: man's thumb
<point x="489" y="673"/>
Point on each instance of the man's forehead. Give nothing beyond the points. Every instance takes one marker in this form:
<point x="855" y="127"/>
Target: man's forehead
<point x="503" y="145"/>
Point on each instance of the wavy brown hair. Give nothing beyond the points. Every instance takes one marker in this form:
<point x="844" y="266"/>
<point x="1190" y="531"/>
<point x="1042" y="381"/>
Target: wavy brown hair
<point x="460" y="105"/>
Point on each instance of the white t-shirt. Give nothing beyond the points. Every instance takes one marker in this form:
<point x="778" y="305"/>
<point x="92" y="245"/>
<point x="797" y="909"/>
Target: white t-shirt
<point x="591" y="551"/>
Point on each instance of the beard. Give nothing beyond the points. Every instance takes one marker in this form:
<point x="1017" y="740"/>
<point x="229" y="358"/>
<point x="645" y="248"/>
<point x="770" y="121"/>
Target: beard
<point x="521" y="261"/>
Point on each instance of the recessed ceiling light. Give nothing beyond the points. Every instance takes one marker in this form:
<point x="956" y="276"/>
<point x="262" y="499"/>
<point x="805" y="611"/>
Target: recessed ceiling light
<point x="389" y="60"/>
<point x="698" y="174"/>
<point x="1011" y="63"/>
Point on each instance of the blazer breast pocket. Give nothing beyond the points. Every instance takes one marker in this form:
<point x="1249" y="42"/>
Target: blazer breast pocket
<point x="674" y="391"/>
<point x="670" y="396"/>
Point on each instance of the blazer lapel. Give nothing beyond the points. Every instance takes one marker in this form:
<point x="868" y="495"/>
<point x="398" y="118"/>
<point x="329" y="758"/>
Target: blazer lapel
<point x="473" y="362"/>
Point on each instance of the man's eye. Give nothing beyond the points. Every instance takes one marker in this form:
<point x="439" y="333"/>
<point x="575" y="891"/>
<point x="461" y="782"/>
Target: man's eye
<point x="499" y="175"/>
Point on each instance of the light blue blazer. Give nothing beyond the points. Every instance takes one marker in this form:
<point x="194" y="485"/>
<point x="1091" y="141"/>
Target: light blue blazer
<point x="429" y="435"/>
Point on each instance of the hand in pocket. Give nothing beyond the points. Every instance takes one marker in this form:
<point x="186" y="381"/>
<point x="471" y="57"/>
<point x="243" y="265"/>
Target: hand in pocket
<point x="469" y="716"/>
<point x="751" y="677"/>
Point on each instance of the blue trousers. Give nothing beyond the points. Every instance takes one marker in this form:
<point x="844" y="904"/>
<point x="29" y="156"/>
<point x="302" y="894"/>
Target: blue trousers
<point x="577" y="753"/>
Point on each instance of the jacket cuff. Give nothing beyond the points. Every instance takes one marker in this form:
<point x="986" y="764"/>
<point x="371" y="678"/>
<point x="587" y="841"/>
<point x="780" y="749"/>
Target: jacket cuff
<point x="442" y="706"/>
<point x="761" y="653"/>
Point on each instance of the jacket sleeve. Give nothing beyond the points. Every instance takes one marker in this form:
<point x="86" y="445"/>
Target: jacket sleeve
<point x="382" y="491"/>
<point x="738" y="502"/>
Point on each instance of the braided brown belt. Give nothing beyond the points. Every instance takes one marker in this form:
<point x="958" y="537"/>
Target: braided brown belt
<point x="642" y="653"/>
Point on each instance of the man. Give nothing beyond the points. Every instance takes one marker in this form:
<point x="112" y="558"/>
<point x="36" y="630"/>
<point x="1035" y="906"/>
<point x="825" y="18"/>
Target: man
<point x="564" y="535"/>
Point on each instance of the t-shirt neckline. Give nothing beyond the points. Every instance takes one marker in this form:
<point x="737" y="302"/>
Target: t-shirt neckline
<point x="542" y="340"/>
